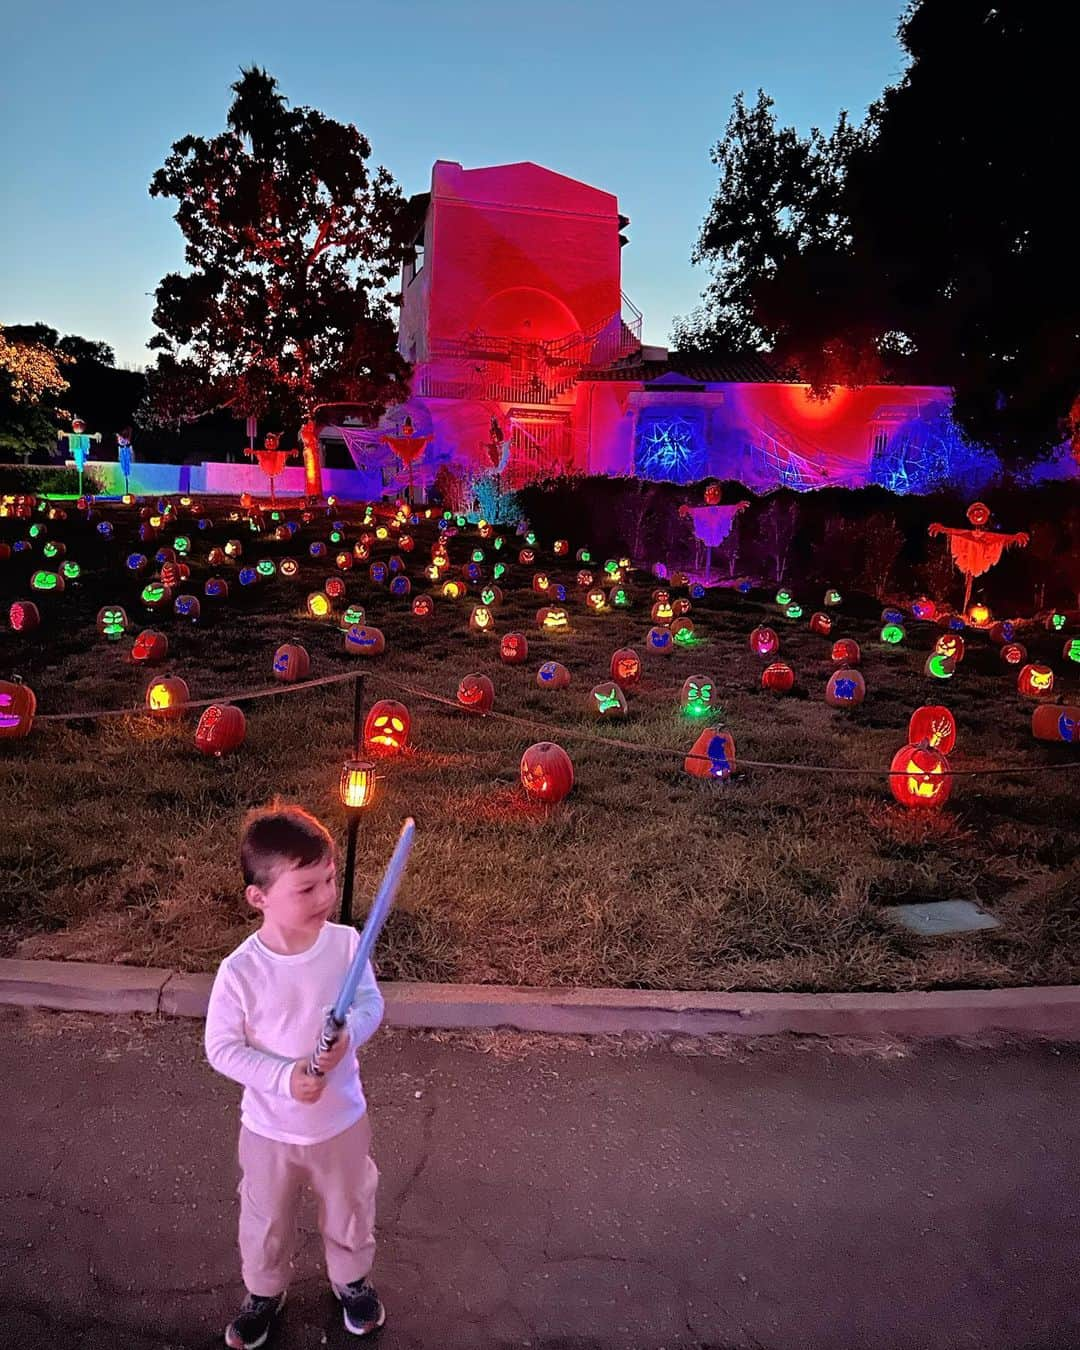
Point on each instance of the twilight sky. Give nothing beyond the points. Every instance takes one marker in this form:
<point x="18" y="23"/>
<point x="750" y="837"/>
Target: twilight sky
<point x="627" y="96"/>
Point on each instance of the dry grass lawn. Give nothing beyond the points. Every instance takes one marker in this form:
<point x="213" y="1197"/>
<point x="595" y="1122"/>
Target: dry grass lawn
<point x="119" y="838"/>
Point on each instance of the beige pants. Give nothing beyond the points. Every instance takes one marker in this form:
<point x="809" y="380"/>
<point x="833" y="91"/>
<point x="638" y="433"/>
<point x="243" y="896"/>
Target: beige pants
<point x="343" y="1177"/>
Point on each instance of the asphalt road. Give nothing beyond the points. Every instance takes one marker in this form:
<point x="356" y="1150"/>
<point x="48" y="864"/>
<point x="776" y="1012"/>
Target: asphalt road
<point x="562" y="1195"/>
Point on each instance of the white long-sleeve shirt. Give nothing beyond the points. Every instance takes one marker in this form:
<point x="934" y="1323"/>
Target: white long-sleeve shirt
<point x="267" y="1010"/>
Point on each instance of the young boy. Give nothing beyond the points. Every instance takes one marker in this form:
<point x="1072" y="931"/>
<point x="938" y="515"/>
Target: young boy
<point x="267" y="1007"/>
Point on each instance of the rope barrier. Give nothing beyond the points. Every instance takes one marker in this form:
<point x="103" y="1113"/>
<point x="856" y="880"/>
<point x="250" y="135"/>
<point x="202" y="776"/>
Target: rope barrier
<point x="834" y="771"/>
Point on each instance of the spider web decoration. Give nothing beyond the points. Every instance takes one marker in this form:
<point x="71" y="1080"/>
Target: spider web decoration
<point x="927" y="453"/>
<point x="671" y="448"/>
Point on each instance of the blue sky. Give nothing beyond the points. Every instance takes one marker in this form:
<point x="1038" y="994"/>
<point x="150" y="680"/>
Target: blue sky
<point x="628" y="96"/>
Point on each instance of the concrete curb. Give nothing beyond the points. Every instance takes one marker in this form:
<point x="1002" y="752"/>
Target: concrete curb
<point x="1052" y="1011"/>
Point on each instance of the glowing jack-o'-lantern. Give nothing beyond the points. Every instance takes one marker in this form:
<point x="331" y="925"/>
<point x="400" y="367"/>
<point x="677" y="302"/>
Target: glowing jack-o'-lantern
<point x="547" y="772"/>
<point x="682" y="632"/>
<point x="950" y="645"/>
<point x="318" y="549"/>
<point x="660" y="641"/>
<point x="221" y="729"/>
<point x="1071" y="650"/>
<point x="216" y="588"/>
<point x="662" y="612"/>
<point x="924" y="610"/>
<point x="289" y="568"/>
<point x="561" y="548"/>
<point x="979" y="616"/>
<point x="619" y="597"/>
<point x="491" y="596"/>
<point x="978" y="513"/>
<point x="150" y="647"/>
<point x="698" y="695"/>
<point x="607" y="700"/>
<point x="47" y="581"/>
<point x="553" y="619"/>
<point x="783" y="597"/>
<point x="1035" y="681"/>
<point x="187" y="607"/>
<point x="364" y="641"/>
<point x="155" y="596"/>
<point x="23" y="616"/>
<point x="1056" y="622"/>
<point x="552" y="675"/>
<point x="832" y="597"/>
<point x="940" y="667"/>
<point x="234" y="548"/>
<point x="112" y="622"/>
<point x="291" y="663"/>
<point x="919" y="777"/>
<point x="354" y="614"/>
<point x="821" y="623"/>
<point x="845" y="652"/>
<point x="625" y="667"/>
<point x="541" y="583"/>
<point x="386" y="727"/>
<point x="712" y="755"/>
<point x="17" y="707"/>
<point x="584" y="580"/>
<point x="318" y="605"/>
<point x="527" y="557"/>
<point x="1056" y="722"/>
<point x="934" y="725"/>
<point x="514" y="649"/>
<point x="893" y="634"/>
<point x="477" y="693"/>
<point x="1013" y="653"/>
<point x="764" y="642"/>
<point x="481" y="620"/>
<point x="137" y="562"/>
<point x="343" y="561"/>
<point x="166" y="698"/>
<point x="596" y="600"/>
<point x="779" y="678"/>
<point x="423" y="607"/>
<point x="845" y="689"/>
<point x="453" y="590"/>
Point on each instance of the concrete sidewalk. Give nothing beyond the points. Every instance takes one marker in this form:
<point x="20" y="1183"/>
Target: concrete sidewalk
<point x="780" y="1195"/>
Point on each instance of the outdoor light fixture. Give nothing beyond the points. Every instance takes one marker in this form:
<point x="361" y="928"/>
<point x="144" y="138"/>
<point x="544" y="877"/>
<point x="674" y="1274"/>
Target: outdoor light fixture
<point x="356" y="789"/>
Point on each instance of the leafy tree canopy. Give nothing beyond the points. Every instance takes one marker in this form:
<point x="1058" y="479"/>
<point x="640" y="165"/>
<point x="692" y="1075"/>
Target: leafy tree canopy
<point x="292" y="245"/>
<point x="932" y="243"/>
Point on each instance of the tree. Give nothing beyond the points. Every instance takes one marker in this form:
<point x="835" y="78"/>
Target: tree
<point x="292" y="244"/>
<point x="933" y="242"/>
<point x="31" y="383"/>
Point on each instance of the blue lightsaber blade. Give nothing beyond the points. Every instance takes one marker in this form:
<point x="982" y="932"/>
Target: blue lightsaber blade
<point x="380" y="909"/>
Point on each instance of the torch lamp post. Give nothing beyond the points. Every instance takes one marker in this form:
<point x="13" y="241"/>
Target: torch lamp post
<point x="356" y="789"/>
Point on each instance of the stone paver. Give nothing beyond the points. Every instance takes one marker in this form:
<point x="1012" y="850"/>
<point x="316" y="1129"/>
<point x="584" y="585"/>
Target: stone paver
<point x="789" y="1195"/>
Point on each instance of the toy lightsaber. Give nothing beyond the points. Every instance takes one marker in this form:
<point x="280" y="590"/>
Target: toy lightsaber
<point x="380" y="908"/>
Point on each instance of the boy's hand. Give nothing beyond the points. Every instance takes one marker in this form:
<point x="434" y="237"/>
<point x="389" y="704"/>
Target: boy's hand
<point x="305" y="1087"/>
<point x="332" y="1057"/>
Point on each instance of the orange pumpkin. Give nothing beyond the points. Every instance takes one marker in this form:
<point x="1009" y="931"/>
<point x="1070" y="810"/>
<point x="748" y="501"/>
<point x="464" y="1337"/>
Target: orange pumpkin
<point x="607" y="700"/>
<point x="712" y="755"/>
<point x="150" y="647"/>
<point x="361" y="640"/>
<point x="845" y="689"/>
<point x="291" y="663"/>
<point x="477" y="693"/>
<point x="165" y="698"/>
<point x="1035" y="681"/>
<point x="552" y="675"/>
<point x="625" y="667"/>
<point x="17" y="707"/>
<point x="24" y="616"/>
<point x="919" y="777"/>
<point x="779" y="677"/>
<point x="514" y="648"/>
<point x="764" y="642"/>
<point x="221" y="730"/>
<point x="386" y="727"/>
<point x="845" y="652"/>
<point x="934" y="725"/>
<point x="547" y="772"/>
<point x="1056" y="722"/>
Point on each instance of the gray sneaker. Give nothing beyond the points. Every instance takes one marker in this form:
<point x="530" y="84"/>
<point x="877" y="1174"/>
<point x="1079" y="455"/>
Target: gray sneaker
<point x="360" y="1305"/>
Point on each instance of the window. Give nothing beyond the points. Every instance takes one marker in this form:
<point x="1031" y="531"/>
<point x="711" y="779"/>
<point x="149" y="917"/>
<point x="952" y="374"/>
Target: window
<point x="418" y="257"/>
<point x="880" y="442"/>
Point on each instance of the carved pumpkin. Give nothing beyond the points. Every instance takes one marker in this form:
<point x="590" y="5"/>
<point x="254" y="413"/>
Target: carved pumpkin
<point x="477" y="693"/>
<point x="845" y="652"/>
<point x="481" y="620"/>
<point x="821" y="623"/>
<point x="334" y="587"/>
<point x="682" y="632"/>
<point x="924" y="609"/>
<point x="215" y="557"/>
<point x="712" y="755"/>
<point x="662" y="612"/>
<point x="584" y="580"/>
<point x="547" y="772"/>
<point x="561" y="548"/>
<point x="453" y="590"/>
<point x="386" y="727"/>
<point x="845" y="689"/>
<point x="343" y="561"/>
<point x="625" y="667"/>
<point x="112" y="622"/>
<point x="606" y="700"/>
<point x="289" y="568"/>
<point x="360" y="640"/>
<point x="764" y="642"/>
<point x="216" y="588"/>
<point x="939" y="667"/>
<point x="553" y="619"/>
<point x="234" y="548"/>
<point x="47" y="581"/>
<point x="541" y="583"/>
<point x="1013" y="653"/>
<point x="187" y="607"/>
<point x="934" y="725"/>
<point x="1071" y="650"/>
<point x="596" y="599"/>
<point x="779" y="677"/>
<point x="660" y="641"/>
<point x="527" y="557"/>
<point x="17" y="707"/>
<point x="552" y="675"/>
<point x="165" y="698"/>
<point x="698" y="695"/>
<point x="221" y="730"/>
<point x="150" y="647"/>
<point x="919" y="777"/>
<point x="291" y="663"/>
<point x="318" y="605"/>
<point x="1035" y="681"/>
<point x="620" y="598"/>
<point x="24" y="616"/>
<point x="979" y="616"/>
<point x="514" y="649"/>
<point x="1056" y="722"/>
<point x="423" y="607"/>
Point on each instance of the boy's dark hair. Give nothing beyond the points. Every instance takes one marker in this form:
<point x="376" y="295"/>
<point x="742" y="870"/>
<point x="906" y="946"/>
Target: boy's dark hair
<point x="279" y="834"/>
